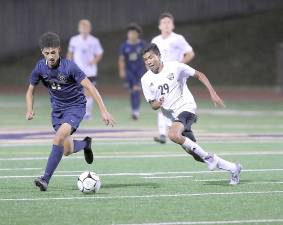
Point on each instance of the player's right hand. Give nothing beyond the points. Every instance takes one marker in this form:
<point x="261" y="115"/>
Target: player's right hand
<point x="122" y="75"/>
<point x="30" y="115"/>
<point x="108" y="119"/>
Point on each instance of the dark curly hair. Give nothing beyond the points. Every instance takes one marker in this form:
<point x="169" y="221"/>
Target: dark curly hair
<point x="134" y="26"/>
<point x="49" y="40"/>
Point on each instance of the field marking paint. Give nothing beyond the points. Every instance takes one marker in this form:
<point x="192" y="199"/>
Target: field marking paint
<point x="168" y="177"/>
<point x="212" y="222"/>
<point x="256" y="182"/>
<point x="145" y="156"/>
<point x="18" y="169"/>
<point x="145" y="174"/>
<point x="146" y="196"/>
<point x="46" y="143"/>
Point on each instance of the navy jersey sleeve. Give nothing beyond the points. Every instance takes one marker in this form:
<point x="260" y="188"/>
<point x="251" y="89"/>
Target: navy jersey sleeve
<point x="35" y="76"/>
<point x="77" y="73"/>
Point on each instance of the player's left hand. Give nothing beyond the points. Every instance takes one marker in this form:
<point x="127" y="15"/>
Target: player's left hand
<point x="108" y="119"/>
<point x="217" y="100"/>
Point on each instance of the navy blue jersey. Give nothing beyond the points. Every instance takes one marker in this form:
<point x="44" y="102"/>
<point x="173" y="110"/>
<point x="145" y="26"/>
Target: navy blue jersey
<point x="132" y="54"/>
<point x="63" y="83"/>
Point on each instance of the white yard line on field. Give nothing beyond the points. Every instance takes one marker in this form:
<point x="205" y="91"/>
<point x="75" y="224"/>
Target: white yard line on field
<point x="18" y="169"/>
<point x="251" y="182"/>
<point x="167" y="177"/>
<point x="146" y="196"/>
<point x="145" y="155"/>
<point x="145" y="141"/>
<point x="147" y="174"/>
<point x="212" y="222"/>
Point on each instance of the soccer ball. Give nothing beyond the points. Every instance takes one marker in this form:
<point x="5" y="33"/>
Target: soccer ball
<point x="89" y="182"/>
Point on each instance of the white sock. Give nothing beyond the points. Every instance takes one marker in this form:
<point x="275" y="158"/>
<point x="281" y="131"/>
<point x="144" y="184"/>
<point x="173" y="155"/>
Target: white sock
<point x="224" y="164"/>
<point x="136" y="113"/>
<point x="89" y="102"/>
<point x="195" y="148"/>
<point x="161" y="122"/>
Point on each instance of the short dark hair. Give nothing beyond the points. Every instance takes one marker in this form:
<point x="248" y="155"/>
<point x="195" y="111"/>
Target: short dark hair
<point x="166" y="15"/>
<point x="134" y="26"/>
<point x="151" y="48"/>
<point x="49" y="40"/>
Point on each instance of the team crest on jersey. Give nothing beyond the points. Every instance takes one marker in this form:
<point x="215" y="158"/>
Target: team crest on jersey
<point x="170" y="76"/>
<point x="62" y="78"/>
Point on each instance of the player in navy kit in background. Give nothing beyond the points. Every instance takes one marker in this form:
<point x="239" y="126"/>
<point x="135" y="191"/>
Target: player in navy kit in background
<point x="131" y="65"/>
<point x="65" y="83"/>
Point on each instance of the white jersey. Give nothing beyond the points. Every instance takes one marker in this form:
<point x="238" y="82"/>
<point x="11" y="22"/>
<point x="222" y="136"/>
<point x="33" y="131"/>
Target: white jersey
<point x="173" y="47"/>
<point x="171" y="84"/>
<point x="84" y="51"/>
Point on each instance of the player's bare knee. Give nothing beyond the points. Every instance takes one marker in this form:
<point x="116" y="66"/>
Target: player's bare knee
<point x="175" y="137"/>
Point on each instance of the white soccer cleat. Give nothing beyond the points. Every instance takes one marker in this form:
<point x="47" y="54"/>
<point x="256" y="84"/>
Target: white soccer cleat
<point x="235" y="176"/>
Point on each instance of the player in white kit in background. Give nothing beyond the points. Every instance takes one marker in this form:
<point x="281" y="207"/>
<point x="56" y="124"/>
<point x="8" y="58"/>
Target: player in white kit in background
<point x="164" y="86"/>
<point x="173" y="47"/>
<point x="86" y="51"/>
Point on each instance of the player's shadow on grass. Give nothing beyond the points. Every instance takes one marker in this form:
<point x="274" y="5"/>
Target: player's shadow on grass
<point x="125" y="185"/>
<point x="225" y="182"/>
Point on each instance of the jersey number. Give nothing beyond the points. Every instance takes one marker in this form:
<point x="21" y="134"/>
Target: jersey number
<point x="163" y="88"/>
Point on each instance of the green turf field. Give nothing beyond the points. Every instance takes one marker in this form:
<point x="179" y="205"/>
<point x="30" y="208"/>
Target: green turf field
<point x="144" y="182"/>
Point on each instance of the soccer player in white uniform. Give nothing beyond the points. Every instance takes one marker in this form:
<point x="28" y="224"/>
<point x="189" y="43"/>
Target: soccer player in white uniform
<point x="164" y="87"/>
<point x="173" y="47"/>
<point x="86" y="51"/>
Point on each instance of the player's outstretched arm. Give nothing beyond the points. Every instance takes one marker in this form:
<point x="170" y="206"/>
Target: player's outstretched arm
<point x="29" y="102"/>
<point x="188" y="57"/>
<point x="106" y="116"/>
<point x="214" y="97"/>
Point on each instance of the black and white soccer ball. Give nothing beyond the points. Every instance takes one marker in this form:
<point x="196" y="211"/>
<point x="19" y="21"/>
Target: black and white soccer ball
<point x="89" y="182"/>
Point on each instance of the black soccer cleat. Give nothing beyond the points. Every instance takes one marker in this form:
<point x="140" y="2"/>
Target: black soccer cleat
<point x="135" y="117"/>
<point x="161" y="139"/>
<point x="41" y="183"/>
<point x="88" y="151"/>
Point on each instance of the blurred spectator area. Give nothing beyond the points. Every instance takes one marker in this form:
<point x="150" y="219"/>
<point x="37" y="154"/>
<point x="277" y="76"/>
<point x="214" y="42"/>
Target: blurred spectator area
<point x="234" y="40"/>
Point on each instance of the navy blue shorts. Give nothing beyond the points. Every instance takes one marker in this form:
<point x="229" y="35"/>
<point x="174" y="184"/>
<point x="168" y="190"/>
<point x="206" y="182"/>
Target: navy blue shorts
<point x="133" y="79"/>
<point x="72" y="116"/>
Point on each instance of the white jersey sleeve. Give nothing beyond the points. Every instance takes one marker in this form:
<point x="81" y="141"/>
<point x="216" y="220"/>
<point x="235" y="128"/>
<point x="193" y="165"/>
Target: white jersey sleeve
<point x="147" y="90"/>
<point x="184" y="45"/>
<point x="97" y="48"/>
<point x="71" y="47"/>
<point x="185" y="71"/>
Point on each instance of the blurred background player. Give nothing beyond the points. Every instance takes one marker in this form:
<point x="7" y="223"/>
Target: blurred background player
<point x="86" y="51"/>
<point x="65" y="83"/>
<point x="163" y="86"/>
<point x="173" y="47"/>
<point x="131" y="65"/>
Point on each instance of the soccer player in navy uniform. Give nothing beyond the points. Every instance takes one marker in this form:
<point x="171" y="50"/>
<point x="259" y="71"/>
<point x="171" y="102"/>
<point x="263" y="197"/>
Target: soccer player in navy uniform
<point x="131" y="65"/>
<point x="65" y="83"/>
